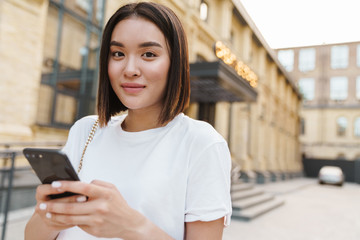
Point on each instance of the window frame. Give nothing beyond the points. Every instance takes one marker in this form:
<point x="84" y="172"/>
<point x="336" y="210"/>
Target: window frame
<point x="357" y="127"/>
<point x="337" y="61"/>
<point x="307" y="62"/>
<point x="288" y="67"/>
<point x="333" y="96"/>
<point x="301" y="89"/>
<point x="358" y="55"/>
<point x="302" y="126"/>
<point x="204" y="6"/>
<point x="357" y="88"/>
<point x="339" y="131"/>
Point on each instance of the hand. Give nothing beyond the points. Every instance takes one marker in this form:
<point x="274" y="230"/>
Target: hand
<point x="42" y="196"/>
<point x="104" y="214"/>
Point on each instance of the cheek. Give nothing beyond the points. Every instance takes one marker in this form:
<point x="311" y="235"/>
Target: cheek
<point x="111" y="70"/>
<point x="159" y="73"/>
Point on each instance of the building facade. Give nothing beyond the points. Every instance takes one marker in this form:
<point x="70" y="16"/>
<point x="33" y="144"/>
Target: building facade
<point x="48" y="57"/>
<point x="328" y="77"/>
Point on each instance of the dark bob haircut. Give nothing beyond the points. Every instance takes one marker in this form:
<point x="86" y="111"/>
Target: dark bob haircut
<point x="177" y="92"/>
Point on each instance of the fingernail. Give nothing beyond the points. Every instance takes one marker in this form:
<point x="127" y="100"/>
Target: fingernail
<point x="81" y="199"/>
<point x="56" y="184"/>
<point x="42" y="206"/>
<point x="48" y="215"/>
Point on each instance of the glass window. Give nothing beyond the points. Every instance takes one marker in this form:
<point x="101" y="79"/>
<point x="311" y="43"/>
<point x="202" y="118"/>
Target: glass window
<point x="307" y="88"/>
<point x="286" y="58"/>
<point x="358" y="87"/>
<point x="302" y="126"/>
<point x="307" y="59"/>
<point x="84" y="4"/>
<point x="341" y="125"/>
<point x="358" y="55"/>
<point x="204" y="10"/>
<point x="339" y="57"/>
<point x="338" y="88"/>
<point x="357" y="127"/>
<point x="232" y="37"/>
<point x="69" y="77"/>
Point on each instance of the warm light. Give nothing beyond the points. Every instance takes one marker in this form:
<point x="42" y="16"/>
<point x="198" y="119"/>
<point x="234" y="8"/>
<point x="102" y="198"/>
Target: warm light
<point x="224" y="53"/>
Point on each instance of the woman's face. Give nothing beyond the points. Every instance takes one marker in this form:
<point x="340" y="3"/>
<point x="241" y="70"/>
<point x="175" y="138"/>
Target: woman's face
<point x="139" y="62"/>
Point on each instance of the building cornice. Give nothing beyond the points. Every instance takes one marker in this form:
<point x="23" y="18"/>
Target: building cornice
<point x="270" y="52"/>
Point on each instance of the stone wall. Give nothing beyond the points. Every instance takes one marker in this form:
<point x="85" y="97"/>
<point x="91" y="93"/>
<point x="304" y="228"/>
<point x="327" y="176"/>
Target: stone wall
<point x="22" y="26"/>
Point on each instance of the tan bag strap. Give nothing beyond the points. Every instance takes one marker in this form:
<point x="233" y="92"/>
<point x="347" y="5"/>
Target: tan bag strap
<point x="89" y="139"/>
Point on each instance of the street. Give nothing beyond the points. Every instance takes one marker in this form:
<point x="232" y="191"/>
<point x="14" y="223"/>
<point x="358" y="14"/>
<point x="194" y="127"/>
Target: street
<point x="310" y="212"/>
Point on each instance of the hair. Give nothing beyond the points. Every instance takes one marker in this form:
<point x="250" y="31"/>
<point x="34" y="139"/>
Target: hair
<point x="177" y="91"/>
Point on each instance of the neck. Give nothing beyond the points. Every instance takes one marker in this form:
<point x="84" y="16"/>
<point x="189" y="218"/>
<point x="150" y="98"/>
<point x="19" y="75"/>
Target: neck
<point x="137" y="121"/>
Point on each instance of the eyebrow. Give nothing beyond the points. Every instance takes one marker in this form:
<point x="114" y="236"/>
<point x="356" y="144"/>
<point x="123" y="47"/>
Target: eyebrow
<point x="145" y="44"/>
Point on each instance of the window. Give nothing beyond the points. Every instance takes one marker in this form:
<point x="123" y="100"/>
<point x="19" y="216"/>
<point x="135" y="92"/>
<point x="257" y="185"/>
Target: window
<point x="341" y="125"/>
<point x="307" y="59"/>
<point x="338" y="88"/>
<point x="286" y="58"/>
<point x="307" y="88"/>
<point x="204" y="10"/>
<point x="88" y="6"/>
<point x="84" y="5"/>
<point x="302" y="126"/>
<point x="358" y="87"/>
<point x="339" y="57"/>
<point x="65" y="98"/>
<point x="357" y="127"/>
<point x="358" y="55"/>
<point x="232" y="37"/>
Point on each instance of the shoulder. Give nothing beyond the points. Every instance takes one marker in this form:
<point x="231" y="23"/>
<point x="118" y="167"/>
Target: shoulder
<point x="84" y="124"/>
<point x="200" y="130"/>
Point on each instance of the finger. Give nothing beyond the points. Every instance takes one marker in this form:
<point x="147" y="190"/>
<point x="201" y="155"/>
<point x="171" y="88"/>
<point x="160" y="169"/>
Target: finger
<point x="44" y="190"/>
<point x="103" y="184"/>
<point x="85" y="189"/>
<point x="46" y="217"/>
<point x="70" y="199"/>
<point x="48" y="210"/>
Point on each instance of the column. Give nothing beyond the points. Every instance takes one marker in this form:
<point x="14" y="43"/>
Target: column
<point x="222" y="118"/>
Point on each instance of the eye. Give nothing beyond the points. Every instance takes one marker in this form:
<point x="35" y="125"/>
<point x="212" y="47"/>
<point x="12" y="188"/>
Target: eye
<point x="148" y="55"/>
<point x="117" y="54"/>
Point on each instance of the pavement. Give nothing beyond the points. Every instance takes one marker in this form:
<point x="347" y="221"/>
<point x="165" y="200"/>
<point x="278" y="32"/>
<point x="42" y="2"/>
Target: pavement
<point x="311" y="211"/>
<point x="17" y="219"/>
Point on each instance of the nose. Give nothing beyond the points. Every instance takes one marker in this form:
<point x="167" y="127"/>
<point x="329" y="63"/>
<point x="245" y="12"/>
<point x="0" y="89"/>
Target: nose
<point x="131" y="68"/>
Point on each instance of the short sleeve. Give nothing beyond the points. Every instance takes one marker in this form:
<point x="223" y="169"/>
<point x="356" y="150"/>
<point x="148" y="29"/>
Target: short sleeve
<point x="208" y="190"/>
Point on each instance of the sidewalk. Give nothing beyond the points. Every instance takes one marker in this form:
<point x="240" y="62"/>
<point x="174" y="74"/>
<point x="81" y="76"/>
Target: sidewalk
<point x="18" y="219"/>
<point x="311" y="211"/>
<point x="16" y="223"/>
<point x="240" y="229"/>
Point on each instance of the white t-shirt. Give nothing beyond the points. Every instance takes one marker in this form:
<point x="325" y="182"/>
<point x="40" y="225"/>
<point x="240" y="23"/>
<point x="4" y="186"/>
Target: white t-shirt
<point x="173" y="174"/>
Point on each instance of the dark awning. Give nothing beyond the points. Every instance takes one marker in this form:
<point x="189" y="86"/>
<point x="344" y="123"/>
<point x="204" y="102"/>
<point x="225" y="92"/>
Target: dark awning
<point x="215" y="81"/>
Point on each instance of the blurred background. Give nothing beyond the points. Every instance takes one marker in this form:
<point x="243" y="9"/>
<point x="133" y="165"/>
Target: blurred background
<point x="280" y="80"/>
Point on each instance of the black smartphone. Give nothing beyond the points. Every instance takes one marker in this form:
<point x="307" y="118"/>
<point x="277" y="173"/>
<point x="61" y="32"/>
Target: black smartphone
<point x="51" y="165"/>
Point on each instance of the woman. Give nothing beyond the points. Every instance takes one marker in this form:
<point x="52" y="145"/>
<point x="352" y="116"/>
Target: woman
<point x="152" y="173"/>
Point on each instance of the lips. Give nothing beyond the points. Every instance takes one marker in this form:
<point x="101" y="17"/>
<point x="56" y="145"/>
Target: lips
<point x="132" y="87"/>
